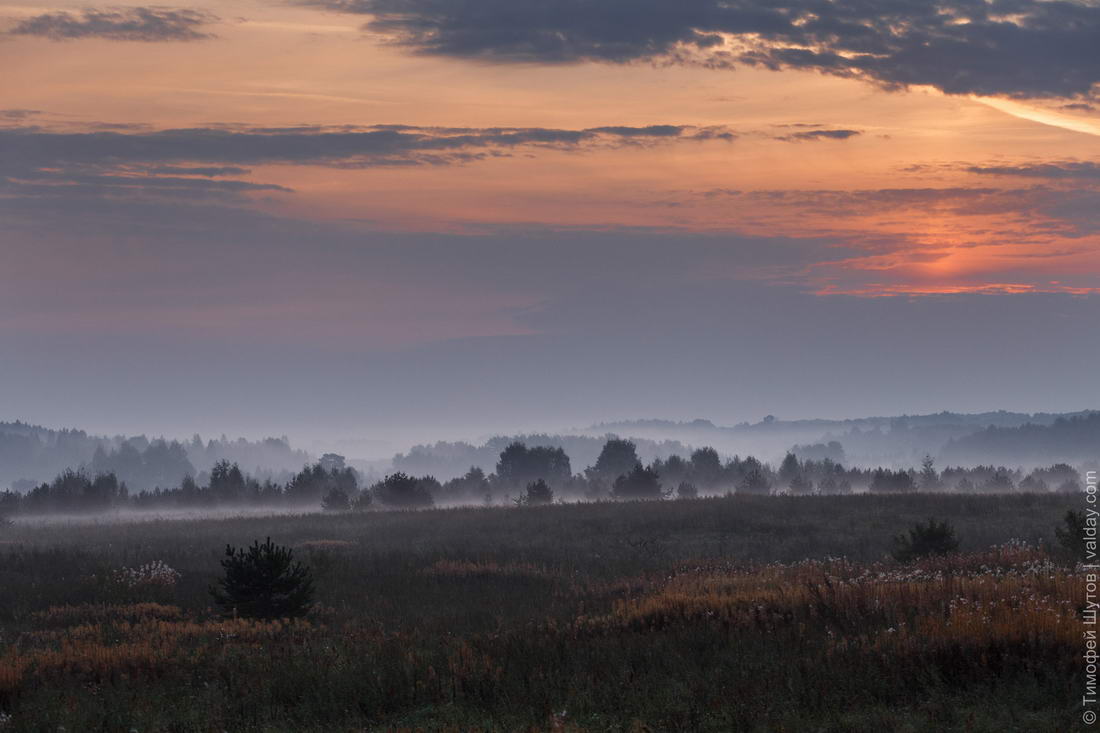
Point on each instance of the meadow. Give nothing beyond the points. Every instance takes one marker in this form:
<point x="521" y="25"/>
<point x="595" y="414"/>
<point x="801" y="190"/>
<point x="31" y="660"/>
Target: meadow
<point x="742" y="613"/>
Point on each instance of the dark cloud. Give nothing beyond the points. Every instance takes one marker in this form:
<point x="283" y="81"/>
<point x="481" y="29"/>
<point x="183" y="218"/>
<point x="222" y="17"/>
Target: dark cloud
<point x="1062" y="170"/>
<point x="1029" y="48"/>
<point x="119" y="24"/>
<point x="205" y="171"/>
<point x="387" y="145"/>
<point x="106" y="162"/>
<point x="650" y="131"/>
<point x="820" y="135"/>
<point x="76" y="184"/>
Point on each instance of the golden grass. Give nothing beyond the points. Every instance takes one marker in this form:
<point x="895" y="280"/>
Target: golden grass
<point x="1010" y="594"/>
<point x="94" y="613"/>
<point x="137" y="641"/>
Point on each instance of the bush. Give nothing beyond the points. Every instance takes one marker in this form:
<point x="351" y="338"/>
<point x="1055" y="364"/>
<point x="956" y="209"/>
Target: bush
<point x="362" y="502"/>
<point x="401" y="490"/>
<point x="800" y="485"/>
<point x="641" y="483"/>
<point x="539" y="493"/>
<point x="263" y="582"/>
<point x="885" y="481"/>
<point x="754" y="482"/>
<point x="923" y="540"/>
<point x="336" y="500"/>
<point x="687" y="490"/>
<point x="1071" y="535"/>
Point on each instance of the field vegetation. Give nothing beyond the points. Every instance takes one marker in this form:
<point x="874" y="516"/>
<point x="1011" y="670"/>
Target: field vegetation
<point x="742" y="613"/>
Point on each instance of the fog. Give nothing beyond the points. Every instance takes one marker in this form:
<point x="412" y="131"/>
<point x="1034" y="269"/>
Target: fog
<point x="129" y="516"/>
<point x="70" y="476"/>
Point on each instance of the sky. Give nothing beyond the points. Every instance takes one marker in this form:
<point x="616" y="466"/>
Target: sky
<point x="365" y="223"/>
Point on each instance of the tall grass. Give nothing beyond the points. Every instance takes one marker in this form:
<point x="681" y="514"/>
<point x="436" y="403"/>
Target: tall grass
<point x="744" y="613"/>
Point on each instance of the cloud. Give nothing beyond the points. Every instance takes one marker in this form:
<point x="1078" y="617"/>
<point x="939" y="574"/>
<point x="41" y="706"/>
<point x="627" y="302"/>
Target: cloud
<point x="44" y="183"/>
<point x="207" y="171"/>
<point x="98" y="160"/>
<point x="820" y="135"/>
<point x="18" y="114"/>
<point x="148" y="24"/>
<point x="1061" y="170"/>
<point x="1025" y="48"/>
<point x="352" y="147"/>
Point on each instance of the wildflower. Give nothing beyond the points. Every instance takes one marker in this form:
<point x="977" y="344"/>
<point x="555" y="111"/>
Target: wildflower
<point x="156" y="573"/>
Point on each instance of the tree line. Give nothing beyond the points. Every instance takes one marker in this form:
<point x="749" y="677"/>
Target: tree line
<point x="531" y="475"/>
<point x="30" y="453"/>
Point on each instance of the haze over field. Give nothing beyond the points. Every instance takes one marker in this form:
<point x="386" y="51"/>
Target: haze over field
<point x="373" y="223"/>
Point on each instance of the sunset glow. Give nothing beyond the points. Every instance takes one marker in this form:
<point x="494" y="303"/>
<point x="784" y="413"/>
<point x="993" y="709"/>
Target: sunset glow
<point x="332" y="142"/>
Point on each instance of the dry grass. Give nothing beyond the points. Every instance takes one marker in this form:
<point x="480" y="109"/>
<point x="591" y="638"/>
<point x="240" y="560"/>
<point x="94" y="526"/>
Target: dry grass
<point x="1012" y="594"/>
<point x="689" y="616"/>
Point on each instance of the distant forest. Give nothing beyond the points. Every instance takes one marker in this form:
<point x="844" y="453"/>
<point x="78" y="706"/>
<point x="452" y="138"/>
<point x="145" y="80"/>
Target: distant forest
<point x="447" y="460"/>
<point x="31" y="455"/>
<point x="532" y="475"/>
<point x="1015" y="438"/>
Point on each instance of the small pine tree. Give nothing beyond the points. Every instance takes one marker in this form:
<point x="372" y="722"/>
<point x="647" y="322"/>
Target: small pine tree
<point x="923" y="540"/>
<point x="264" y="582"/>
<point x="929" y="477"/>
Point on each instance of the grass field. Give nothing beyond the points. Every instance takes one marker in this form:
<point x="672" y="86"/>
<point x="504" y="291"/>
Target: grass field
<point x="727" y="614"/>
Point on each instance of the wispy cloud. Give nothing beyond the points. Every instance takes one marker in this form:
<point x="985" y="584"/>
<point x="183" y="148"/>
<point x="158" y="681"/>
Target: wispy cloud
<point x="820" y="135"/>
<point x="148" y="24"/>
<point x="345" y="146"/>
<point x="1042" y="116"/>
<point x="1054" y="171"/>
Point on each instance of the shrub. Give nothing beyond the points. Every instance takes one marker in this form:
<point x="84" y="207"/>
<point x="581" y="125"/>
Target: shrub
<point x="336" y="500"/>
<point x="885" y="481"/>
<point x="930" y="538"/>
<point x="401" y="490"/>
<point x="687" y="490"/>
<point x="362" y="502"/>
<point x="801" y="485"/>
<point x="1071" y="535"/>
<point x="641" y="483"/>
<point x="754" y="482"/>
<point x="263" y="582"/>
<point x="539" y="493"/>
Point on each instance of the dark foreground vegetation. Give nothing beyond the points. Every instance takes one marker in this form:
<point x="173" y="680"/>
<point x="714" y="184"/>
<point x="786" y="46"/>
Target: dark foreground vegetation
<point x="743" y="613"/>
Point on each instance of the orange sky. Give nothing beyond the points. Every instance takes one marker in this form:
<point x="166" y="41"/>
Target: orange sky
<point x="273" y="65"/>
<point x="332" y="215"/>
